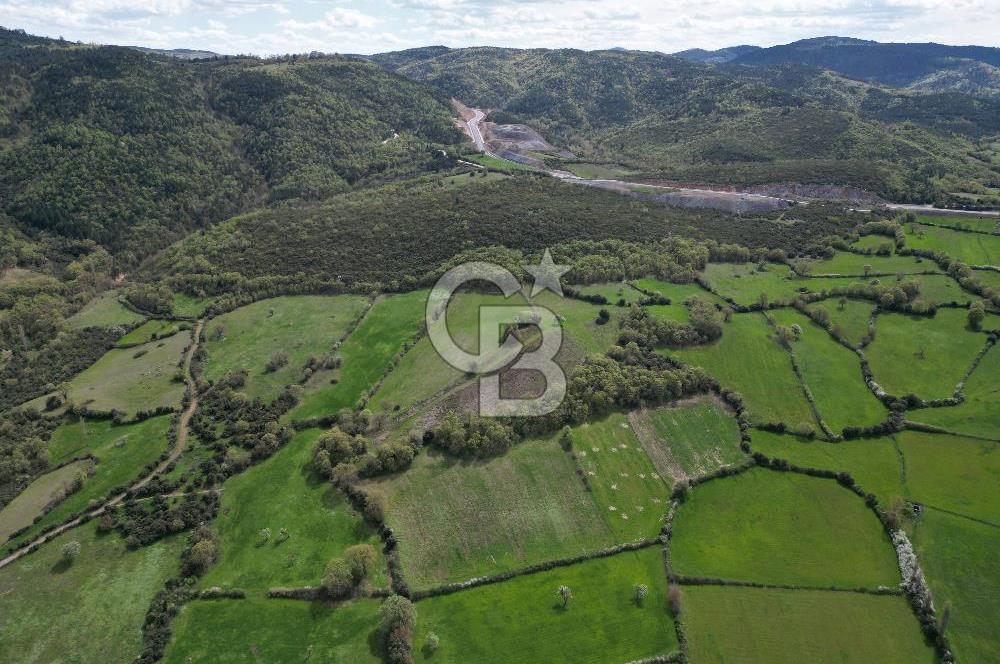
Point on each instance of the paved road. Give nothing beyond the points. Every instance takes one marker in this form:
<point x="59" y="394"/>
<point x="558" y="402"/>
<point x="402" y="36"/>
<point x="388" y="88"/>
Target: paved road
<point x="477" y="135"/>
<point x="930" y="209"/>
<point x="182" y="435"/>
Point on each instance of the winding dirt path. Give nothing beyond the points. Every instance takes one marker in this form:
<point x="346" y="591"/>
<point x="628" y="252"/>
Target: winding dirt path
<point x="175" y="452"/>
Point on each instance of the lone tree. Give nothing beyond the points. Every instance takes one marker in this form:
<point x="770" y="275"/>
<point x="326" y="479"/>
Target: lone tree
<point x="70" y="551"/>
<point x="566" y="594"/>
<point x="338" y="579"/>
<point x="641" y="591"/>
<point x="360" y="558"/>
<point x="977" y="312"/>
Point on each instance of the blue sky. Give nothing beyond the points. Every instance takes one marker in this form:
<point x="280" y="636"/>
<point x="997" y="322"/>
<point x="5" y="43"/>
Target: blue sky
<point x="284" y="26"/>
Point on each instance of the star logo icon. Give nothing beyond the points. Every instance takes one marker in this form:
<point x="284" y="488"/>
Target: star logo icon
<point x="546" y="275"/>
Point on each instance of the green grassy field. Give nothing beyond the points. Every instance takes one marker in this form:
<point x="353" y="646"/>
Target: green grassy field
<point x="743" y="283"/>
<point x="90" y="611"/>
<point x="970" y="248"/>
<point x="103" y="311"/>
<point x="833" y="374"/>
<point x="851" y="320"/>
<point x="581" y="334"/>
<point x="775" y="527"/>
<point x="953" y="473"/>
<point x="523" y="620"/>
<point x="459" y="519"/>
<point x="845" y="263"/>
<point x="422" y="373"/>
<point x="792" y="626"/>
<point x="689" y="440"/>
<point x="873" y="462"/>
<point x="873" y="242"/>
<point x="121" y="381"/>
<point x="496" y="164"/>
<point x="985" y="224"/>
<point x="301" y="326"/>
<point x="959" y="559"/>
<point x="749" y="361"/>
<point x="628" y="490"/>
<point x="123" y="451"/>
<point x="280" y="493"/>
<point x="28" y="504"/>
<point x="188" y="306"/>
<point x="151" y="331"/>
<point x="612" y="291"/>
<point x="678" y="294"/>
<point x="978" y="415"/>
<point x="923" y="356"/>
<point x="989" y="278"/>
<point x="276" y="630"/>
<point x="599" y="171"/>
<point x="385" y="329"/>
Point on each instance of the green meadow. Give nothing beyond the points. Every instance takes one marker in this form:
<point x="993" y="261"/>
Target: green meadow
<point x="873" y="462"/>
<point x="631" y="495"/>
<point x="970" y="248"/>
<point x="391" y="322"/>
<point x="133" y="379"/>
<point x="921" y="355"/>
<point x="89" y="611"/>
<point x="151" y="331"/>
<point x="850" y="319"/>
<point x="123" y="452"/>
<point x="282" y="492"/>
<point x="301" y="326"/>
<point x="745" y="282"/>
<point x="965" y="221"/>
<point x="21" y="512"/>
<point x="104" y="311"/>
<point x="773" y="527"/>
<point x="846" y="263"/>
<point x="688" y="440"/>
<point x="959" y="559"/>
<point x="792" y="626"/>
<point x="276" y="630"/>
<point x="833" y="374"/>
<point x="459" y="519"/>
<point x="749" y="360"/>
<point x="524" y="619"/>
<point x="978" y="414"/>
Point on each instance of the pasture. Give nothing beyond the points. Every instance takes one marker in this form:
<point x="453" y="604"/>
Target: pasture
<point x="391" y="322"/>
<point x="833" y="374"/>
<point x="688" y="440"/>
<point x="678" y="294"/>
<point x="850" y="319"/>
<point x="524" y="620"/>
<point x="300" y="326"/>
<point x="873" y="462"/>
<point x="846" y="263"/>
<point x="276" y="630"/>
<point x="133" y="379"/>
<point x="152" y="330"/>
<point x="744" y="283"/>
<point x="791" y="626"/>
<point x="748" y="359"/>
<point x="282" y="492"/>
<point x="970" y="248"/>
<point x="978" y="415"/>
<point x="630" y="494"/>
<point x="21" y="512"/>
<point x="460" y="519"/>
<point x="953" y="473"/>
<point x="921" y="355"/>
<point x="103" y="311"/>
<point x="773" y="527"/>
<point x="421" y="372"/>
<point x="89" y="611"/>
<point x="122" y="452"/>
<point x="964" y="221"/>
<point x="959" y="559"/>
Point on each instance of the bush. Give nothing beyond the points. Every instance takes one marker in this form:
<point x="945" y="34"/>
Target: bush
<point x="338" y="579"/>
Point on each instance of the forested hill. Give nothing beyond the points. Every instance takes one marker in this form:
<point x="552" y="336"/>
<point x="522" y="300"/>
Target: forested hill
<point x="925" y="67"/>
<point x="670" y="117"/>
<point x="134" y="149"/>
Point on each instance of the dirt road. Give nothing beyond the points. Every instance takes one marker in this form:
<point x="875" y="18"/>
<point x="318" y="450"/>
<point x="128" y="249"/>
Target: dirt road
<point x="175" y="452"/>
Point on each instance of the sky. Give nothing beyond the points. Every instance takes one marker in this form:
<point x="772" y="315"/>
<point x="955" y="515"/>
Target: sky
<point x="267" y="27"/>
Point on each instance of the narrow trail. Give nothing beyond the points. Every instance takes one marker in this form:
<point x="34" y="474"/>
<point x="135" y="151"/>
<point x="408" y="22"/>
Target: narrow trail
<point x="175" y="452"/>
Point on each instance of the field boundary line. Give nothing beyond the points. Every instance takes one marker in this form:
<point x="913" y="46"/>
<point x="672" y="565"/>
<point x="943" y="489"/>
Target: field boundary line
<point x="477" y="582"/>
<point x="930" y="428"/>
<point x="959" y="515"/>
<point x="688" y="580"/>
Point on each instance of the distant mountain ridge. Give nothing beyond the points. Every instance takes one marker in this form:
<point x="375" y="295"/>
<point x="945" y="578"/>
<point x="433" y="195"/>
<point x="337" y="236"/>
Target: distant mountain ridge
<point x="921" y="67"/>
